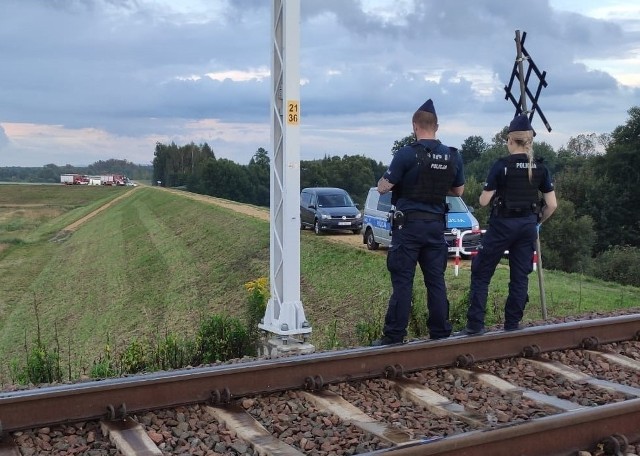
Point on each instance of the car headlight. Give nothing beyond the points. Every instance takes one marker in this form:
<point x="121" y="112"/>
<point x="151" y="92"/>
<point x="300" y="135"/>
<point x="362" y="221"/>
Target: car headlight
<point x="325" y="216"/>
<point x="475" y="227"/>
<point x="358" y="215"/>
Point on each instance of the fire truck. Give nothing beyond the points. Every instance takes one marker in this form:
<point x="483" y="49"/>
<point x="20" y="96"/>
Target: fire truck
<point x="74" y="179"/>
<point x="113" y="179"/>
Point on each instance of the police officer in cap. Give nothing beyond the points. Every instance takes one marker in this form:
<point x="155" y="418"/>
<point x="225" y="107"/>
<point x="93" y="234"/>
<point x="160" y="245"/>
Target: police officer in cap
<point x="512" y="188"/>
<point x="421" y="176"/>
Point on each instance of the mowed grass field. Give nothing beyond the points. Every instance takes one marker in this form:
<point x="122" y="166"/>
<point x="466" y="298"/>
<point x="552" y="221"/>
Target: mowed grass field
<point x="157" y="262"/>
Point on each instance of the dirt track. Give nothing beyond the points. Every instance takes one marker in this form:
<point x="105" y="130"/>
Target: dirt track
<point x="248" y="209"/>
<point x="74" y="226"/>
<point x="349" y="238"/>
<point x="67" y="231"/>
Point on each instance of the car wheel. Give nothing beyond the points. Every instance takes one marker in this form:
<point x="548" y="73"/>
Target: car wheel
<point x="371" y="241"/>
<point x="316" y="227"/>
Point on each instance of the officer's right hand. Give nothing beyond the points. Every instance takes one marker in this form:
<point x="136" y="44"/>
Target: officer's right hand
<point x="538" y="227"/>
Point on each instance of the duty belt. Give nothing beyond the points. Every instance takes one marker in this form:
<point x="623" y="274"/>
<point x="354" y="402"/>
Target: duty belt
<point x="424" y="216"/>
<point x="514" y="213"/>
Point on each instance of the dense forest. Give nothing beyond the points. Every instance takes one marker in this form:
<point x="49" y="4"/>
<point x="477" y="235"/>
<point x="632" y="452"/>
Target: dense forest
<point x="596" y="229"/>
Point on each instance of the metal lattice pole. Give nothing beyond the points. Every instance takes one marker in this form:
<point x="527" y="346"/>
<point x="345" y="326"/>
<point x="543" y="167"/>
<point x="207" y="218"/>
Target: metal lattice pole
<point x="284" y="315"/>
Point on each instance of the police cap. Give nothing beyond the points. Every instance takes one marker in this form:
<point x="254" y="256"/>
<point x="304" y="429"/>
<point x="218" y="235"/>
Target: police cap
<point x="427" y="106"/>
<point x="520" y="123"/>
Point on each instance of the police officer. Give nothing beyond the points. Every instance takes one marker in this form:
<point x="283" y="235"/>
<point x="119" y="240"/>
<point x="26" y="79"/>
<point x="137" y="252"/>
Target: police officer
<point x="421" y="175"/>
<point x="512" y="189"/>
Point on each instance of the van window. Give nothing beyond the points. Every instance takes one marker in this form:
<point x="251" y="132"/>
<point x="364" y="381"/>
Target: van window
<point x="305" y="199"/>
<point x="384" y="203"/>
<point x="335" y="200"/>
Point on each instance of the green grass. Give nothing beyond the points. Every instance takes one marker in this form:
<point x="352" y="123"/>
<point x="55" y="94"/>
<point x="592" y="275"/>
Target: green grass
<point x="154" y="261"/>
<point x="158" y="262"/>
<point x="30" y="213"/>
<point x="566" y="294"/>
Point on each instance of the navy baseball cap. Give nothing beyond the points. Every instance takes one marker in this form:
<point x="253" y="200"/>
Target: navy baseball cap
<point x="520" y="123"/>
<point x="427" y="106"/>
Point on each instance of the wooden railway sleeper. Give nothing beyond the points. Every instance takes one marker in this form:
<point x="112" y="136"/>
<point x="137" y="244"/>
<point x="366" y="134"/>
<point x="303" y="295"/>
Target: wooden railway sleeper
<point x="590" y="343"/>
<point x="315" y="383"/>
<point x="113" y="414"/>
<point x="395" y="371"/>
<point x="614" y="445"/>
<point x="219" y="397"/>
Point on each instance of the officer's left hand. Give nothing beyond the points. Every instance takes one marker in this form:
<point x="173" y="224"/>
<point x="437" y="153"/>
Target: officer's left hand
<point x="538" y="227"/>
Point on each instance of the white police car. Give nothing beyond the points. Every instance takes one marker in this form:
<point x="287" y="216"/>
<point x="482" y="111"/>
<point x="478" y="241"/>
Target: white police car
<point x="377" y="228"/>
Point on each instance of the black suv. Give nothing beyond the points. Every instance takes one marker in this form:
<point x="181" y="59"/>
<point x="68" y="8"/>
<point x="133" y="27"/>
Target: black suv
<point x="329" y="209"/>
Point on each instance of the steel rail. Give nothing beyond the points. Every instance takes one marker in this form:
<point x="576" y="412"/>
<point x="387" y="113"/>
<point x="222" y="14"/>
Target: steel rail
<point x="98" y="399"/>
<point x="554" y="435"/>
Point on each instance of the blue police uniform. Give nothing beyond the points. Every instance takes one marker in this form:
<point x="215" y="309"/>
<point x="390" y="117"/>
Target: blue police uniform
<point x="512" y="230"/>
<point x="420" y="240"/>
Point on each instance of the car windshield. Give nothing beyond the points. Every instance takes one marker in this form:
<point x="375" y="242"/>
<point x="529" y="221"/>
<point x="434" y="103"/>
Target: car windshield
<point x="456" y="204"/>
<point x="335" y="200"/>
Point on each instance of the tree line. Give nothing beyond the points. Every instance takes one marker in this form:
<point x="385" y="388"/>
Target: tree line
<point x="196" y="168"/>
<point x="597" y="181"/>
<point x="50" y="173"/>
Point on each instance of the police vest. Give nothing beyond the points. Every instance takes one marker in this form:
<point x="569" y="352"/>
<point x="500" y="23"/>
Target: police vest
<point x="435" y="174"/>
<point x="518" y="194"/>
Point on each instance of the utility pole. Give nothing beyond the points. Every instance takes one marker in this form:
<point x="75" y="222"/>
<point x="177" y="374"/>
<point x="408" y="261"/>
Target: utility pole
<point x="284" y="317"/>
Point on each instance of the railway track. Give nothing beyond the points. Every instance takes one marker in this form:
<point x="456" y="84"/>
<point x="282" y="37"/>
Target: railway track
<point x="544" y="390"/>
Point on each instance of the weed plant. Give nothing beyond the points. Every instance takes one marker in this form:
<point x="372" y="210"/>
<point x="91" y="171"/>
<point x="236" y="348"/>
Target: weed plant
<point x="220" y="338"/>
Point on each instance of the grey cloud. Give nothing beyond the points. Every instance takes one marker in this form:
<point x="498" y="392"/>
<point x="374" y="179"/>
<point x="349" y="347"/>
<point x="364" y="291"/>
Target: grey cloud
<point x="118" y="69"/>
<point x="348" y="13"/>
<point x="134" y="64"/>
<point x="113" y="64"/>
<point x="482" y="31"/>
<point x="576" y="79"/>
<point x="207" y="98"/>
<point x="368" y="89"/>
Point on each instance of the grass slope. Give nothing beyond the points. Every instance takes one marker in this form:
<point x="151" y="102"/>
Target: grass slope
<point x="156" y="261"/>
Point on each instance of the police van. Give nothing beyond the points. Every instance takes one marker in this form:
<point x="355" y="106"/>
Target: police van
<point x="377" y="226"/>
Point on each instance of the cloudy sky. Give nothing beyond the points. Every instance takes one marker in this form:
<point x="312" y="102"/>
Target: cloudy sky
<point x="88" y="80"/>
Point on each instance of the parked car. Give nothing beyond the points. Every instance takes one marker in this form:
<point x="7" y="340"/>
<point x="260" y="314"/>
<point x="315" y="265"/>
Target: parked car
<point x="377" y="227"/>
<point x="329" y="209"/>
